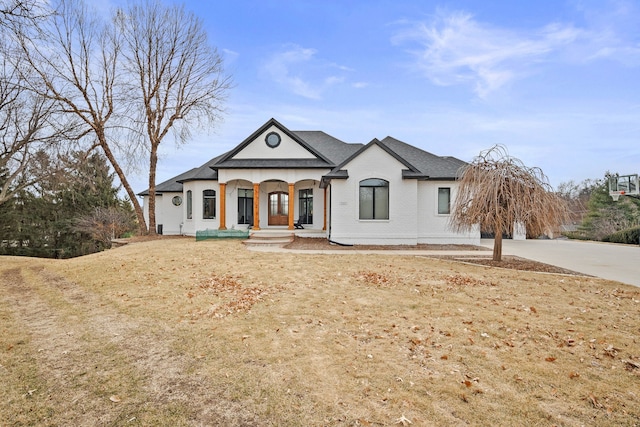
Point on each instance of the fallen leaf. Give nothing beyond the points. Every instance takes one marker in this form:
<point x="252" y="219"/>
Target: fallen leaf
<point x="533" y="309"/>
<point x="115" y="398"/>
<point x="573" y="375"/>
<point x="550" y="359"/>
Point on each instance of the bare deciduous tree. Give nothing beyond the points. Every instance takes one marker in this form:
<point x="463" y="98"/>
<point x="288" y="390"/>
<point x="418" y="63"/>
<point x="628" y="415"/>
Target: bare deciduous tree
<point x="177" y="77"/>
<point x="497" y="191"/>
<point x="75" y="56"/>
<point x="27" y="128"/>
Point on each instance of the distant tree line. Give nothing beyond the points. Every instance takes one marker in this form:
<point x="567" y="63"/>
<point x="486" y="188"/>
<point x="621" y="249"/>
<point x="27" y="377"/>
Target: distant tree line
<point x="73" y="211"/>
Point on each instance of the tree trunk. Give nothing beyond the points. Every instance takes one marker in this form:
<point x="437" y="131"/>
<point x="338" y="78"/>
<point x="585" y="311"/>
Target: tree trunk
<point x="142" y="226"/>
<point x="497" y="244"/>
<point x="153" y="163"/>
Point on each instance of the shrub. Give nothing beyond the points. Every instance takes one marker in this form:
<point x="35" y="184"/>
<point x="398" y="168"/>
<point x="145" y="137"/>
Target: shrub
<point x="630" y="236"/>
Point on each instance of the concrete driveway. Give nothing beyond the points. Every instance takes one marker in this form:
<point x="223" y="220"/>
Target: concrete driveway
<point x="605" y="260"/>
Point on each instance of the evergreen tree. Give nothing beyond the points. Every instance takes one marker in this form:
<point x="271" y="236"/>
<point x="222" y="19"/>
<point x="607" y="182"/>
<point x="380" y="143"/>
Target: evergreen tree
<point x="605" y="217"/>
<point x="43" y="220"/>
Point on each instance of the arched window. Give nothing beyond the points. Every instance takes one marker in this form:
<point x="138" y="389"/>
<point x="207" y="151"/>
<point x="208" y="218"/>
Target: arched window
<point x="189" y="204"/>
<point x="208" y="204"/>
<point x="374" y="199"/>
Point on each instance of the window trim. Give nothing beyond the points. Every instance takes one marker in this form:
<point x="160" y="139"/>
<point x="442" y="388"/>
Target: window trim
<point x="374" y="183"/>
<point x="189" y="204"/>
<point x="208" y="195"/>
<point x="245" y="198"/>
<point x="305" y="195"/>
<point x="448" y="210"/>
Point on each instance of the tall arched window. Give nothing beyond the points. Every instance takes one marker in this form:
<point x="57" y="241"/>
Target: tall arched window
<point x="374" y="199"/>
<point x="208" y="204"/>
<point x="189" y="204"/>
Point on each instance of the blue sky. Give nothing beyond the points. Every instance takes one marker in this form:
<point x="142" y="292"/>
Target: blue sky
<point x="555" y="81"/>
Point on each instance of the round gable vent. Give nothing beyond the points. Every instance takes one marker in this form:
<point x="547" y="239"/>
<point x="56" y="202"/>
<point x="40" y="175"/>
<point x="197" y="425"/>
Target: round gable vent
<point x="272" y="139"/>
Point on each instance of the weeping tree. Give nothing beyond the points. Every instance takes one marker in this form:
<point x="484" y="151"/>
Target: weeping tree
<point x="497" y="192"/>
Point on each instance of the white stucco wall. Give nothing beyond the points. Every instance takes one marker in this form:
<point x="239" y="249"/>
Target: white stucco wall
<point x="348" y="228"/>
<point x="170" y="216"/>
<point x="167" y="214"/>
<point x="433" y="228"/>
<point x="261" y="175"/>
<point x="197" y="222"/>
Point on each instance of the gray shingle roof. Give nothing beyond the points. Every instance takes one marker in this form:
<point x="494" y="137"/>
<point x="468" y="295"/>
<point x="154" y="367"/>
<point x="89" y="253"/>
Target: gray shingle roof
<point x="420" y="164"/>
<point x="204" y="172"/>
<point x="428" y="165"/>
<point x="332" y="148"/>
<point x="330" y="152"/>
<point x="169" y="186"/>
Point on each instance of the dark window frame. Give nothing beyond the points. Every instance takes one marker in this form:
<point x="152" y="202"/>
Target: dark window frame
<point x="305" y="205"/>
<point x="245" y="206"/>
<point x="189" y="204"/>
<point x="209" y="204"/>
<point x="441" y="208"/>
<point x="377" y="188"/>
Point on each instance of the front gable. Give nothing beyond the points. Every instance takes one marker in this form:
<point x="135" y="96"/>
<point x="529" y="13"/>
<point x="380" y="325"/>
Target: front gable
<point x="270" y="142"/>
<point x="375" y="161"/>
<point x="273" y="143"/>
<point x="374" y="156"/>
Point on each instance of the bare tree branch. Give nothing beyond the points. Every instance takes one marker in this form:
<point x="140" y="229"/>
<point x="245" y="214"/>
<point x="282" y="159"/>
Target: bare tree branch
<point x="21" y="12"/>
<point x="28" y="125"/>
<point x="75" y="57"/>
<point x="179" y="79"/>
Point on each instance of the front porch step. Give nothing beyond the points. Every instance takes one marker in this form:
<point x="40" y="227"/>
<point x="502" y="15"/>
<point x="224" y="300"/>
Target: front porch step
<point x="270" y="238"/>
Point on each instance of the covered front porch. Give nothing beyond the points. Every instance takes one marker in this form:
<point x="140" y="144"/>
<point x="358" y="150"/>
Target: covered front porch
<point x="273" y="204"/>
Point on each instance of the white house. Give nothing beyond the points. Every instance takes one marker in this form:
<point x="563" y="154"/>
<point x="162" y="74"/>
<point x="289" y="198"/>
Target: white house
<point x="384" y="192"/>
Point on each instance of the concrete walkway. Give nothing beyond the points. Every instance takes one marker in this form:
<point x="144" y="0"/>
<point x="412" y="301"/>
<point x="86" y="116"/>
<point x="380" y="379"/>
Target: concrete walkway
<point x="604" y="260"/>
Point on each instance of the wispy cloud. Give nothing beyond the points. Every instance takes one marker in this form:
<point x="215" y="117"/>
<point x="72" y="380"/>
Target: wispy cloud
<point x="300" y="71"/>
<point x="454" y="48"/>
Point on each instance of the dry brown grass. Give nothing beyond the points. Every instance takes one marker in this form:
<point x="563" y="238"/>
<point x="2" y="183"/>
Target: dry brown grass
<point x="175" y="332"/>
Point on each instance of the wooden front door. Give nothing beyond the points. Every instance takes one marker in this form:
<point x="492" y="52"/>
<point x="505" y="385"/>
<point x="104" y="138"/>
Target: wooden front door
<point x="278" y="208"/>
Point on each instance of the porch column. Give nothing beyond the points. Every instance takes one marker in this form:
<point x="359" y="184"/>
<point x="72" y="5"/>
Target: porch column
<point x="291" y="194"/>
<point x="256" y="206"/>
<point x="324" y="211"/>
<point x="223" y="206"/>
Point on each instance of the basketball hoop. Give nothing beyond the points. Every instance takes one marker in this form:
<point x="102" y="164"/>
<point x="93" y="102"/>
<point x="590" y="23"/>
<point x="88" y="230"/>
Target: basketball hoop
<point x="615" y="196"/>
